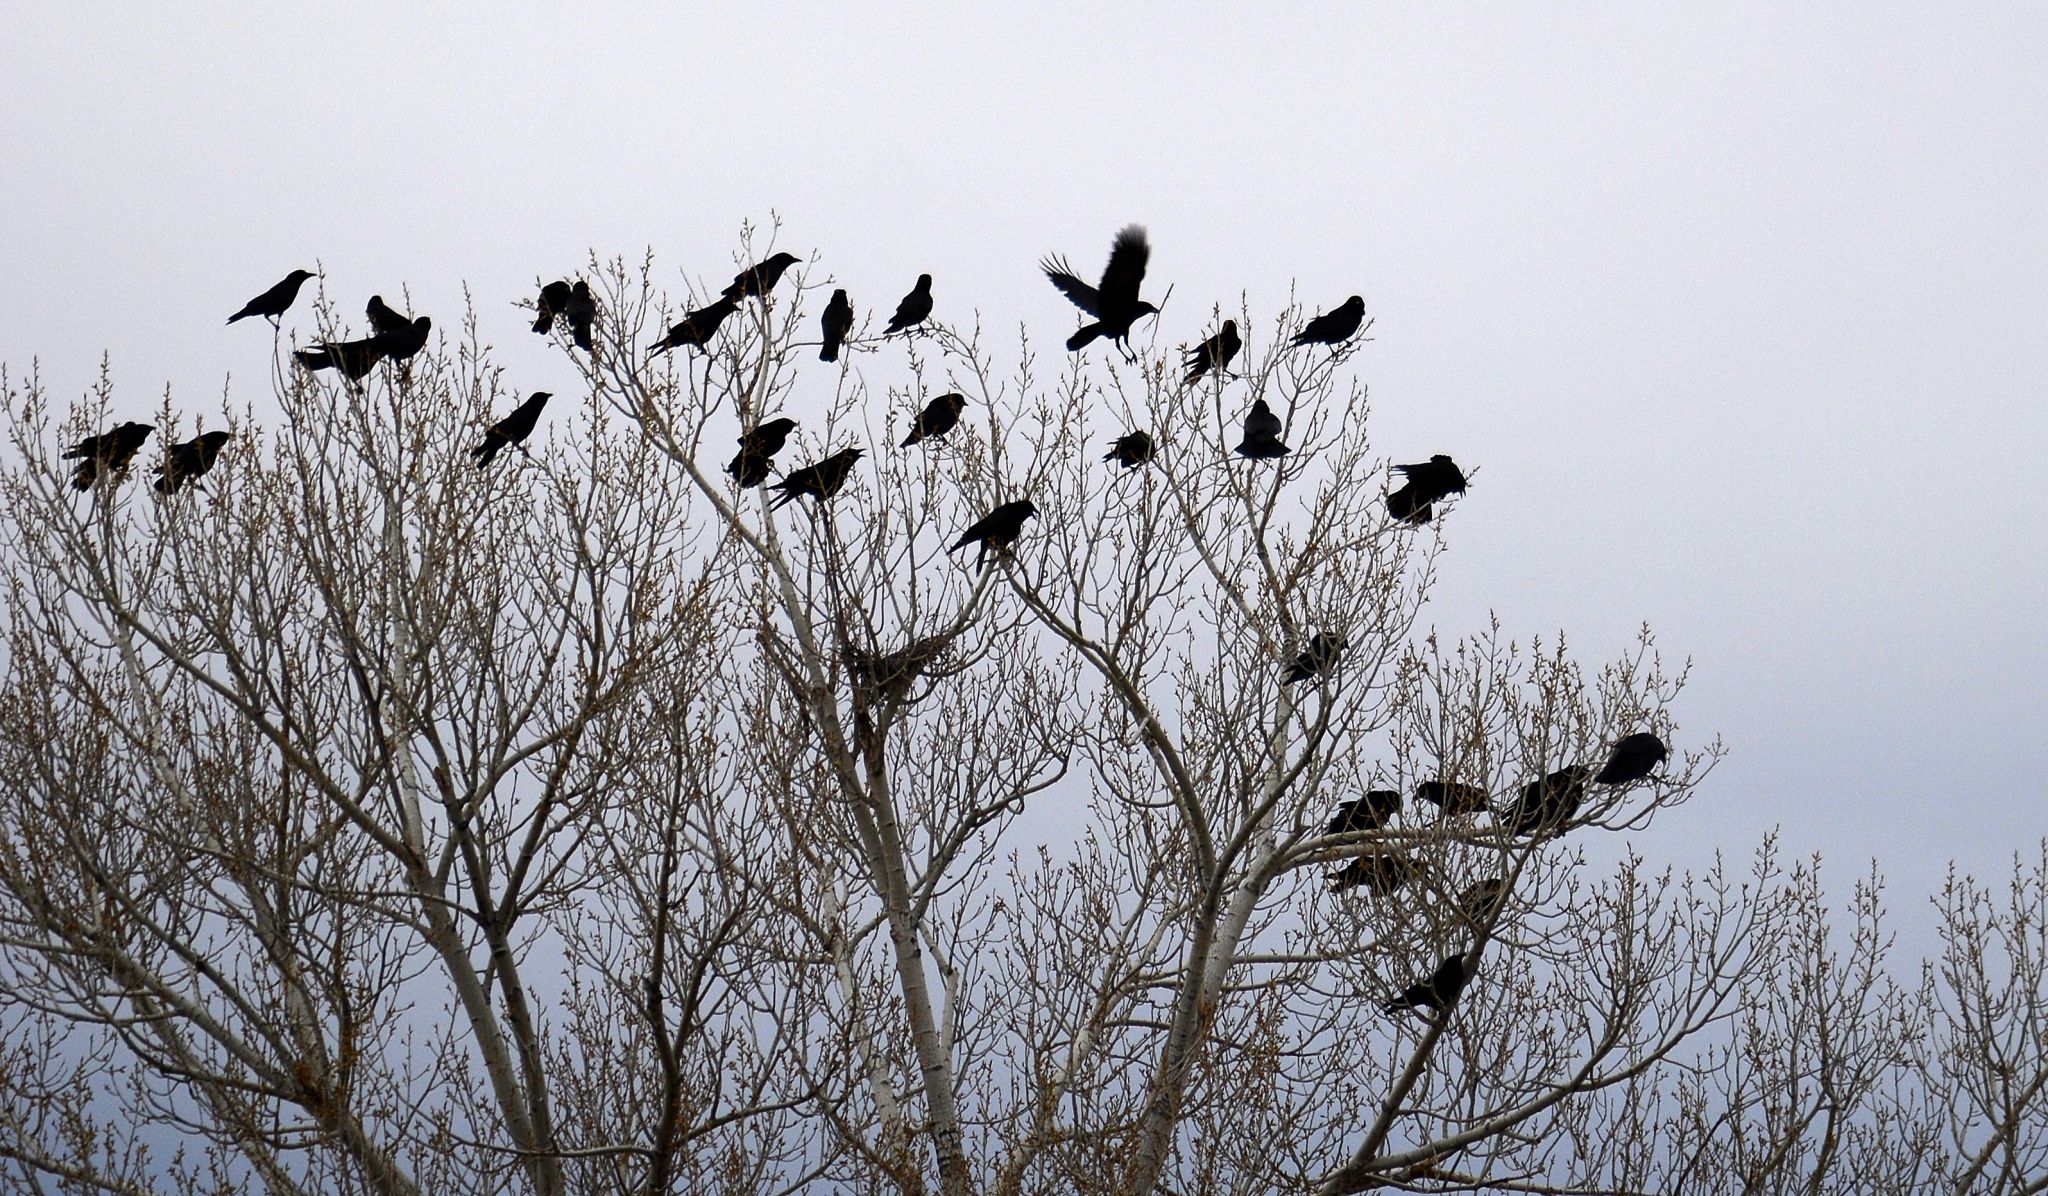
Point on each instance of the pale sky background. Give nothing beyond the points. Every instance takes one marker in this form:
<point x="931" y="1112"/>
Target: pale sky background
<point x="1741" y="312"/>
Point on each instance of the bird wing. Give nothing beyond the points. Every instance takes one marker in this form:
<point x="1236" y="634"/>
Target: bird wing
<point x="1126" y="270"/>
<point x="1079" y="293"/>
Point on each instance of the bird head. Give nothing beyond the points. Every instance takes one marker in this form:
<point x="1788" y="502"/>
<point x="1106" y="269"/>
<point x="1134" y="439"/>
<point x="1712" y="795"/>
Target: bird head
<point x="299" y="275"/>
<point x="213" y="440"/>
<point x="1145" y="309"/>
<point x="1030" y="509"/>
<point x="924" y="282"/>
<point x="782" y="261"/>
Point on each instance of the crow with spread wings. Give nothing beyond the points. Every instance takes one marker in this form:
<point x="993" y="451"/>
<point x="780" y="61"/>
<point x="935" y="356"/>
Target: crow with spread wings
<point x="1114" y="301"/>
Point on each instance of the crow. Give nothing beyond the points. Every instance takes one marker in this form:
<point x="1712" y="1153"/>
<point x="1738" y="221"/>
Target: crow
<point x="1452" y="797"/>
<point x="1546" y="805"/>
<point x="1114" y="301"/>
<point x="1438" y="992"/>
<point x="937" y="419"/>
<point x="1214" y="353"/>
<point x="758" y="449"/>
<point x="511" y="430"/>
<point x="353" y="358"/>
<point x="406" y="338"/>
<point x="696" y="327"/>
<point x="1634" y="758"/>
<point x="915" y="309"/>
<point x="108" y="453"/>
<point x="1368" y="813"/>
<point x="582" y="312"/>
<point x="383" y="320"/>
<point x="276" y="301"/>
<point x="1262" y="434"/>
<point x="837" y="323"/>
<point x="1430" y="482"/>
<point x="1315" y="660"/>
<point x="1481" y="903"/>
<point x="1334" y="327"/>
<point x="190" y="461"/>
<point x="1131" y="449"/>
<point x="1379" y="872"/>
<point x="759" y="279"/>
<point x="821" y="479"/>
<point x="997" y="530"/>
<point x="553" y="301"/>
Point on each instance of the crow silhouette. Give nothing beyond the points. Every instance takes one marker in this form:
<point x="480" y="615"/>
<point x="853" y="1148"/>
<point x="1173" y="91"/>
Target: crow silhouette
<point x="1262" y="434"/>
<point x="997" y="530"/>
<point x="1114" y="301"/>
<point x="402" y="341"/>
<point x="1424" y="484"/>
<point x="837" y="323"/>
<point x="1378" y="872"/>
<point x="1634" y="758"/>
<point x="1439" y="992"/>
<point x="1214" y="353"/>
<point x="107" y="453"/>
<point x="352" y="358"/>
<point x="511" y="430"/>
<point x="937" y="419"/>
<point x="190" y="461"/>
<point x="1368" y="813"/>
<point x="758" y="449"/>
<point x="759" y="279"/>
<point x="915" y="309"/>
<point x="821" y="480"/>
<point x="1452" y="797"/>
<point x="582" y="313"/>
<point x="276" y="301"/>
<point x="553" y="301"/>
<point x="1131" y="449"/>
<point x="1333" y="327"/>
<point x="1546" y="805"/>
<point x="383" y="319"/>
<point x="1315" y="660"/>
<point x="696" y="328"/>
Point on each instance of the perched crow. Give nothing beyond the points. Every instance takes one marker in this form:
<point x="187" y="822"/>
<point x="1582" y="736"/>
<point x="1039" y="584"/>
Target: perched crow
<point x="937" y="419"/>
<point x="1131" y="449"/>
<point x="821" y="480"/>
<point x="697" y="327"/>
<point x="1316" y="660"/>
<point x="1114" y="301"/>
<point x="1438" y="992"/>
<point x="996" y="530"/>
<point x="758" y="449"/>
<point x="1334" y="327"/>
<point x="1481" y="903"/>
<point x="759" y="279"/>
<point x="1430" y="482"/>
<point x="107" y="453"/>
<point x="915" y="309"/>
<point x="511" y="430"/>
<point x="276" y="301"/>
<point x="383" y="319"/>
<point x="553" y="301"/>
<point x="1546" y="805"/>
<point x="582" y="313"/>
<point x="838" y="322"/>
<point x="353" y="358"/>
<point x="1214" y="353"/>
<point x="1262" y="434"/>
<point x="1452" y="797"/>
<point x="190" y="461"/>
<point x="1380" y="872"/>
<point x="1368" y="813"/>
<point x="1634" y="758"/>
<point x="407" y="338"/>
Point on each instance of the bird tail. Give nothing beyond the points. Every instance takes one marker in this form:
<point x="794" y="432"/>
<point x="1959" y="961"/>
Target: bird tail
<point x="829" y="353"/>
<point x="487" y="451"/>
<point x="314" y="359"/>
<point x="544" y="322"/>
<point x="1081" y="339"/>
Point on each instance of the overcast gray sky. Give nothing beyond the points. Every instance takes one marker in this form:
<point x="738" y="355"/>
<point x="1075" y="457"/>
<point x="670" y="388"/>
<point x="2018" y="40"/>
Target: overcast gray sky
<point x="1741" y="312"/>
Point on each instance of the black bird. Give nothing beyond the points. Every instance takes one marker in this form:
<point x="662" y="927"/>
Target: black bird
<point x="553" y="301"/>
<point x="405" y="339"/>
<point x="758" y="449"/>
<point x="582" y="313"/>
<point x="1315" y="660"/>
<point x="997" y="530"/>
<point x="759" y="279"/>
<point x="821" y="480"/>
<point x="1438" y="992"/>
<point x="1481" y="903"/>
<point x="1424" y="484"/>
<point x="1334" y="327"/>
<point x="696" y="328"/>
<point x="511" y="430"/>
<point x="1368" y="813"/>
<point x="1380" y="872"/>
<point x="915" y="309"/>
<point x="190" y="461"/>
<point x="838" y="322"/>
<point x="1262" y="434"/>
<point x="1452" y="797"/>
<point x="1131" y="449"/>
<point x="276" y="301"/>
<point x="1114" y="301"/>
<point x="1635" y="757"/>
<point x="937" y="419"/>
<point x="353" y="358"/>
<point x="1214" y="353"/>
<point x="108" y="453"/>
<point x="1548" y="804"/>
<point x="383" y="319"/>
